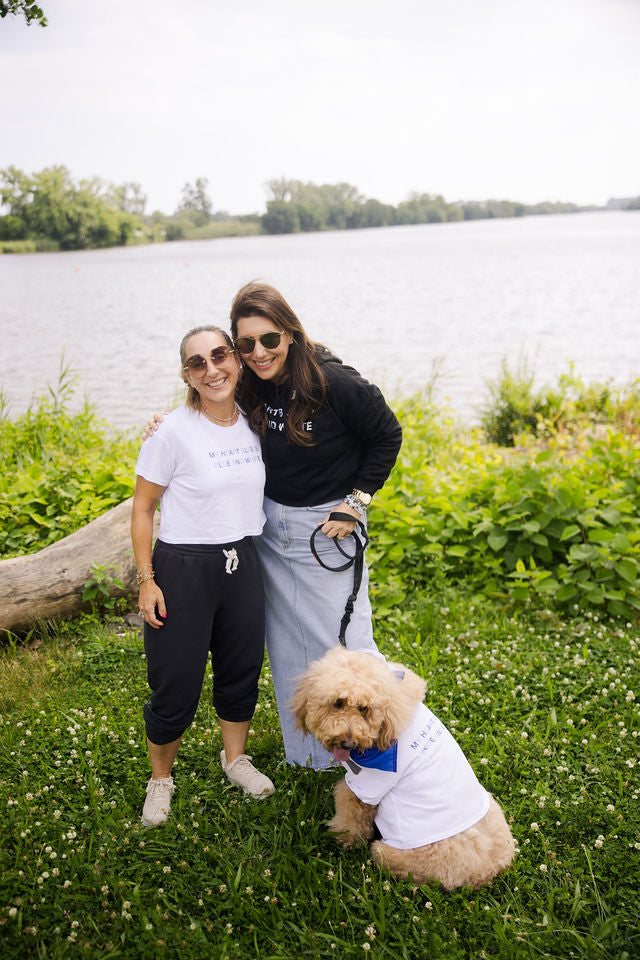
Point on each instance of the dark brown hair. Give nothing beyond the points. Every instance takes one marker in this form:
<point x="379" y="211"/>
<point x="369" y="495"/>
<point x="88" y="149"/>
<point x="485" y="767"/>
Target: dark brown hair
<point x="307" y="381"/>
<point x="193" y="397"/>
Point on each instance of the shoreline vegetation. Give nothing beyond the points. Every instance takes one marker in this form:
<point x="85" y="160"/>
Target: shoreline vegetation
<point x="49" y="211"/>
<point x="504" y="570"/>
<point x="538" y="503"/>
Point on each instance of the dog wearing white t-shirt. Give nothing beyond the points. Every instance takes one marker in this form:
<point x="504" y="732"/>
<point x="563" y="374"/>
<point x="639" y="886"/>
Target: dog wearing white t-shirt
<point x="407" y="782"/>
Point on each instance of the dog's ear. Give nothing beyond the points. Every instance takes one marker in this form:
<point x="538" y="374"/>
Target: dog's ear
<point x="299" y="701"/>
<point x="390" y="726"/>
<point x="407" y="691"/>
<point x="413" y="687"/>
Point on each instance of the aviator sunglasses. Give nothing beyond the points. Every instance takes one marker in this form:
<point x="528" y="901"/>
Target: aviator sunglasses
<point x="198" y="364"/>
<point x="269" y="341"/>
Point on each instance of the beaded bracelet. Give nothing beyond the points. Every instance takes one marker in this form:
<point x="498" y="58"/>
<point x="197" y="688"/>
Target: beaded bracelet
<point x="356" y="505"/>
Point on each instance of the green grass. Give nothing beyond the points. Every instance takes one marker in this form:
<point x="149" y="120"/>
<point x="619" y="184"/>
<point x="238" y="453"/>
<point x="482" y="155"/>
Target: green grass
<point x="544" y="709"/>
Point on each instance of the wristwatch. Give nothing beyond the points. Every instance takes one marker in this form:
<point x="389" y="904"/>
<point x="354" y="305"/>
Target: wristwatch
<point x="361" y="497"/>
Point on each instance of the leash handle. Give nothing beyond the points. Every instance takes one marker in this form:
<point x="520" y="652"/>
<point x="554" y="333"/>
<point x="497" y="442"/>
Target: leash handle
<point x="361" y="545"/>
<point x="355" y="560"/>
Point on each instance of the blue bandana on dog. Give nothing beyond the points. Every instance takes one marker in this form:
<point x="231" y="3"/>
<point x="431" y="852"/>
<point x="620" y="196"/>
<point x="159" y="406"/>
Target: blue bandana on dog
<point x="375" y="759"/>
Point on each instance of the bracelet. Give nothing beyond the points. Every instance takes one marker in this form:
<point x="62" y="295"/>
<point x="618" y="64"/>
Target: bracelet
<point x="356" y="505"/>
<point x="143" y="577"/>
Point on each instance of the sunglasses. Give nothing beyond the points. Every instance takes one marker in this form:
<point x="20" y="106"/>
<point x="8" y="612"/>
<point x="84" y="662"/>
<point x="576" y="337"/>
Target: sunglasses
<point x="198" y="364"/>
<point x="269" y="341"/>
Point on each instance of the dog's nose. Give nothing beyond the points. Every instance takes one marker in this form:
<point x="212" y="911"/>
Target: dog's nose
<point x="347" y="744"/>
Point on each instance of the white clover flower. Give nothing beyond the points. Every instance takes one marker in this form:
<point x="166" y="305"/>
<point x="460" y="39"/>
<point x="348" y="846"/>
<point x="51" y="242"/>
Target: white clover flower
<point x="543" y="868"/>
<point x="535" y="827"/>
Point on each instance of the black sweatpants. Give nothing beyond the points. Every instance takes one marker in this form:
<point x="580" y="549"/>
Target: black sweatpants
<point x="215" y="605"/>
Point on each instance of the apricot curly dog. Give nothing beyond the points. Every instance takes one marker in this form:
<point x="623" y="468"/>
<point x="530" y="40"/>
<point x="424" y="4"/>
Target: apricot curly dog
<point x="407" y="781"/>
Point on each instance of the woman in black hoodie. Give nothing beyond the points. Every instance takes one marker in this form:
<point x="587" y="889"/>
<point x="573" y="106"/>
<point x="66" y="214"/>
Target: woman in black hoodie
<point x="329" y="442"/>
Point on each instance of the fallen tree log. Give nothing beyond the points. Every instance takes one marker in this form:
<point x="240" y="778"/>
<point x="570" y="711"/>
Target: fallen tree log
<point x="50" y="583"/>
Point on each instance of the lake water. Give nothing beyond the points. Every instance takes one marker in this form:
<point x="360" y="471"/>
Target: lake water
<point x="395" y="302"/>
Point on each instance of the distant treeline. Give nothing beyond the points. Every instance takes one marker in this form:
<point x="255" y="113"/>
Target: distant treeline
<point x="297" y="206"/>
<point x="49" y="210"/>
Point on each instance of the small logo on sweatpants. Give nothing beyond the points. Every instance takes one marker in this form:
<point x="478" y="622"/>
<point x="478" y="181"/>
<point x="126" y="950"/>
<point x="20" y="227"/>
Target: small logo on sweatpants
<point x="232" y="560"/>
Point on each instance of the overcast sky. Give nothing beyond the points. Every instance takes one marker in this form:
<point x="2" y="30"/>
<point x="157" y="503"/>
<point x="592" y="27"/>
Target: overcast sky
<point x="472" y="99"/>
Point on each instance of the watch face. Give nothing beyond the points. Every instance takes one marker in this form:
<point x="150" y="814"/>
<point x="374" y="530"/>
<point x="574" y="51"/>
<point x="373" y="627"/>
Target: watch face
<point x="364" y="498"/>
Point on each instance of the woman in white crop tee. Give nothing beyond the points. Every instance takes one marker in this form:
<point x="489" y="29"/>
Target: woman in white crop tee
<point x="201" y="591"/>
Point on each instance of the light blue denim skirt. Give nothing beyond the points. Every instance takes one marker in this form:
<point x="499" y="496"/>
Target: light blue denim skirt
<point x="304" y="606"/>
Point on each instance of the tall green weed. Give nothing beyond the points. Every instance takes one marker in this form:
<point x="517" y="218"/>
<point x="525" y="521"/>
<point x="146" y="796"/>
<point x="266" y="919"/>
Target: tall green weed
<point x="59" y="470"/>
<point x="515" y="407"/>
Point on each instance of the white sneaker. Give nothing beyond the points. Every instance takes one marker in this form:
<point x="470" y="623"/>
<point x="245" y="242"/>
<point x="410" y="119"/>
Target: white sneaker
<point x="242" y="772"/>
<point x="158" y="802"/>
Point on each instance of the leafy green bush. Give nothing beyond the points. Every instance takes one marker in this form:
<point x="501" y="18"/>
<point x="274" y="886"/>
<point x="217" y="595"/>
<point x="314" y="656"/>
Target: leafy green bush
<point x="17" y="246"/>
<point x="555" y="526"/>
<point x="60" y="470"/>
<point x="514" y="407"/>
<point x="98" y="589"/>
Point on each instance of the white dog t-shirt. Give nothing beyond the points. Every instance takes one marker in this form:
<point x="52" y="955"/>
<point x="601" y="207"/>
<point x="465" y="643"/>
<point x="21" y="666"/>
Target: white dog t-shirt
<point x="426" y="790"/>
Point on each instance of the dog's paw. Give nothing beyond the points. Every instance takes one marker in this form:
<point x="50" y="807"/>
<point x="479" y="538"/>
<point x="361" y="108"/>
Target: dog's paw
<point x="349" y="840"/>
<point x="345" y="836"/>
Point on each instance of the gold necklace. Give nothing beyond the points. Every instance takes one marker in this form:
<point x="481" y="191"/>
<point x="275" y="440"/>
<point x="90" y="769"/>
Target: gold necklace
<point x="213" y="418"/>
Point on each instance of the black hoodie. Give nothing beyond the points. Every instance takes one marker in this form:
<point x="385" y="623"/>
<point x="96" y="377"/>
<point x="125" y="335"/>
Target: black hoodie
<point x="356" y="439"/>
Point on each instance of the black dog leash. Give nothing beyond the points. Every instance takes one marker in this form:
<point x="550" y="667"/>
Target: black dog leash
<point x="356" y="560"/>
